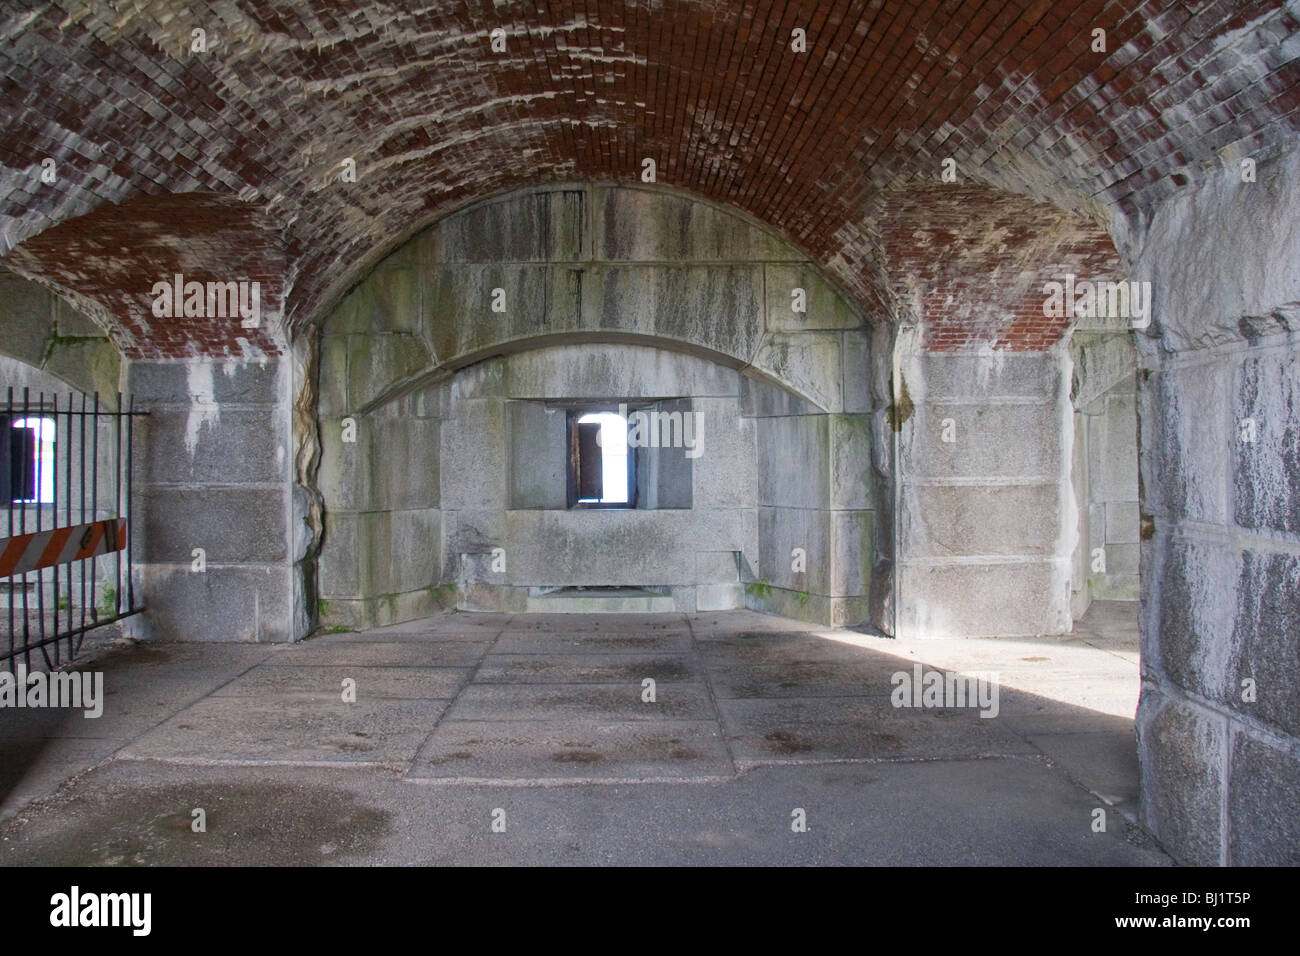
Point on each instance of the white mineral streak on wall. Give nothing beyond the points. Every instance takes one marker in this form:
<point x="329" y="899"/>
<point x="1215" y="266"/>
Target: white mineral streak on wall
<point x="203" y="406"/>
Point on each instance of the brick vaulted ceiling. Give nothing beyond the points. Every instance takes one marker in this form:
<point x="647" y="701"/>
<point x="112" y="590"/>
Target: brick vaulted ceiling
<point x="839" y="147"/>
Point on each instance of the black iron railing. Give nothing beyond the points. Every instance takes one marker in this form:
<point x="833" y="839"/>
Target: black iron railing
<point x="66" y="483"/>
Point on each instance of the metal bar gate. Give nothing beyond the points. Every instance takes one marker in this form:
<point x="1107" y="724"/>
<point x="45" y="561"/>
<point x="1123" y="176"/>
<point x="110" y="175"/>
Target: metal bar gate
<point x="65" y="477"/>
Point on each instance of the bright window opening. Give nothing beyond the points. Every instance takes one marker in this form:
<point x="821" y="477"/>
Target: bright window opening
<point x="612" y="440"/>
<point x="31" y="444"/>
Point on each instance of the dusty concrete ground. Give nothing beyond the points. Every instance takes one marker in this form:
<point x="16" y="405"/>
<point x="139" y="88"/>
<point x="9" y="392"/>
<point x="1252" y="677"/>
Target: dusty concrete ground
<point x="539" y="724"/>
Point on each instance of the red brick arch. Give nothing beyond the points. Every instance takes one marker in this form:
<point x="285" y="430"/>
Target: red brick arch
<point x="817" y="144"/>
<point x="106" y="263"/>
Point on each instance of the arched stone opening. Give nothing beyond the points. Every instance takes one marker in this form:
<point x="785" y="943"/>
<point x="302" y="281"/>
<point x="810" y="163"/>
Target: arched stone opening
<point x="443" y="372"/>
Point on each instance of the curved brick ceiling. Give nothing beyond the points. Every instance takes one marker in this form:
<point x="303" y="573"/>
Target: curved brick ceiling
<point x="818" y="144"/>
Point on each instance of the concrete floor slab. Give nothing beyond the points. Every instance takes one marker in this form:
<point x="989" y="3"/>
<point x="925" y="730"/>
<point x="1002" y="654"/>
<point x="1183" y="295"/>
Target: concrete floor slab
<point x="291" y="728"/>
<point x="1054" y="672"/>
<point x="1104" y="761"/>
<point x="614" y="702"/>
<point x="586" y="668"/>
<point x="601" y="641"/>
<point x="729" y="623"/>
<point x="543" y="718"/>
<point x="32" y="768"/>
<point x="132" y="705"/>
<point x="801" y="675"/>
<point x="145" y="662"/>
<point x="799" y="730"/>
<point x="1018" y="702"/>
<point x="601" y="623"/>
<point x="785" y="647"/>
<point x="487" y="620"/>
<point x="430" y="653"/>
<point x="326" y="682"/>
<point x="416" y="631"/>
<point x="937" y="813"/>
<point x="1052" y="718"/>
<point x="573" y="751"/>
